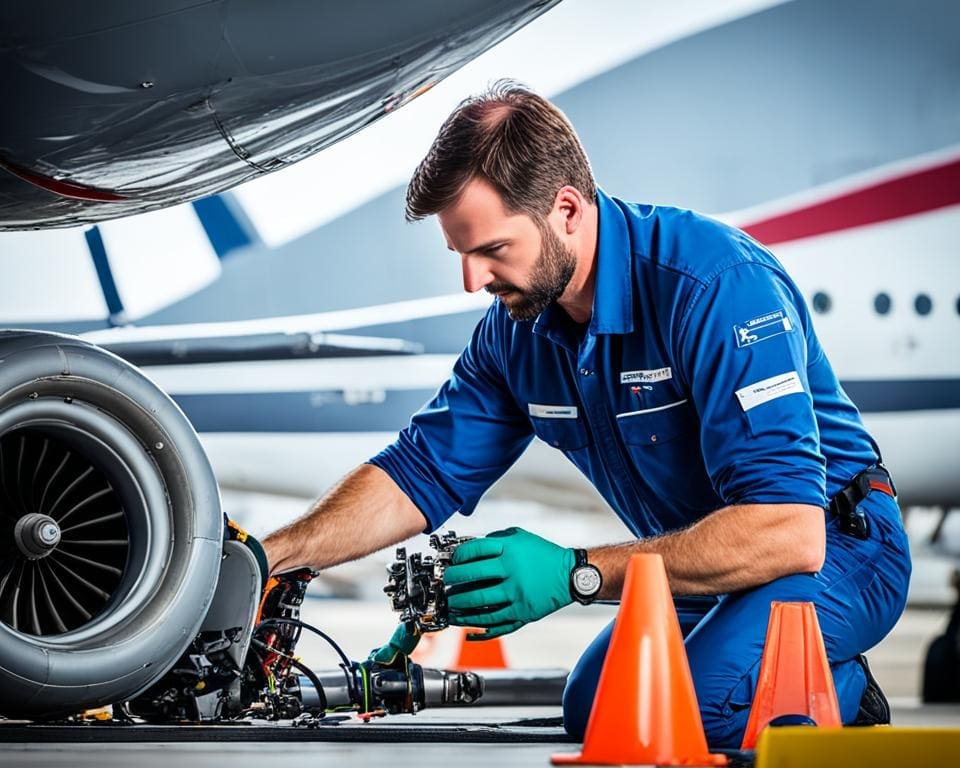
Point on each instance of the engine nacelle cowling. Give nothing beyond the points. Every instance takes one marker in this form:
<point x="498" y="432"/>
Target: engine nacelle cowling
<point x="111" y="529"/>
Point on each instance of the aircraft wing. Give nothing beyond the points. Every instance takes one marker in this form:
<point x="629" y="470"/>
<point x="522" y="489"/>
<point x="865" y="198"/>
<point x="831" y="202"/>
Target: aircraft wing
<point x="319" y="335"/>
<point x="257" y="346"/>
<point x="127" y="107"/>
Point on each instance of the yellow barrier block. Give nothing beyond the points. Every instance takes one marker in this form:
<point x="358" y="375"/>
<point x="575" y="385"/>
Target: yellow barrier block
<point x="873" y="747"/>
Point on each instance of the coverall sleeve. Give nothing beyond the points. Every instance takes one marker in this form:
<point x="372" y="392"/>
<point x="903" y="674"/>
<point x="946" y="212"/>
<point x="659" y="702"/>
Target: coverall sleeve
<point x="465" y="438"/>
<point x="743" y="353"/>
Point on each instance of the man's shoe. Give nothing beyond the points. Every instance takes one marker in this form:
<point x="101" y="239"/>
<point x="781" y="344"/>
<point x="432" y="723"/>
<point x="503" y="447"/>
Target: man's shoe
<point x="874" y="708"/>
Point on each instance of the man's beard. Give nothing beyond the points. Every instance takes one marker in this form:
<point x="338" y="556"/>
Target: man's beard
<point x="549" y="278"/>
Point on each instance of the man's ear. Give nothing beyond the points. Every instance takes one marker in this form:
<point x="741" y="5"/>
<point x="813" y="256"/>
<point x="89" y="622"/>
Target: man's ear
<point x="568" y="208"/>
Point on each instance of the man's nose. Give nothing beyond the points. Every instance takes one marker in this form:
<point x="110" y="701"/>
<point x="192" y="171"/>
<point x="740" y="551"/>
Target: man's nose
<point x="475" y="274"/>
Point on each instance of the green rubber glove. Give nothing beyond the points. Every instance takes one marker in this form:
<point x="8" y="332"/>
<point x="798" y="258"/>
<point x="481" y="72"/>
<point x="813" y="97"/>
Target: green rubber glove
<point x="502" y="581"/>
<point x="401" y="643"/>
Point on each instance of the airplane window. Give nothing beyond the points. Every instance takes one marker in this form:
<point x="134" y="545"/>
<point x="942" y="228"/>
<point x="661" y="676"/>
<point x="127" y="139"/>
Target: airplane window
<point x="821" y="302"/>
<point x="923" y="304"/>
<point x="882" y="303"/>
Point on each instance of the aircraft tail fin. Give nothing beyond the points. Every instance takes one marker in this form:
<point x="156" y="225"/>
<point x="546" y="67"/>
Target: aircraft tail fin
<point x="108" y="285"/>
<point x="227" y="226"/>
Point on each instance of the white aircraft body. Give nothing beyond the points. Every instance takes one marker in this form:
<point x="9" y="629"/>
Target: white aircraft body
<point x="902" y="367"/>
<point x="779" y="121"/>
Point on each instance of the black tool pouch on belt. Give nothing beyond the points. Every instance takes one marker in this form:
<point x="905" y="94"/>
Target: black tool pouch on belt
<point x="846" y="504"/>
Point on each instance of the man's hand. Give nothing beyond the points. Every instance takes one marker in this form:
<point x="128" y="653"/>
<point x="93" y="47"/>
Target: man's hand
<point x="504" y="580"/>
<point x="402" y="642"/>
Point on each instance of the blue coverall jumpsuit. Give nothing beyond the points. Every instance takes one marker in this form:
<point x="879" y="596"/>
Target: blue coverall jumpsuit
<point x="697" y="384"/>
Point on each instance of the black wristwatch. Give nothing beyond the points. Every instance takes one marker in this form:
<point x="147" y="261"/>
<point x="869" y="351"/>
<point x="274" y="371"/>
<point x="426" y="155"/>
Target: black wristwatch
<point x="585" y="579"/>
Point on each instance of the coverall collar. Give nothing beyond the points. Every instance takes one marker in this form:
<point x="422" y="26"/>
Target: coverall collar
<point x="613" y="291"/>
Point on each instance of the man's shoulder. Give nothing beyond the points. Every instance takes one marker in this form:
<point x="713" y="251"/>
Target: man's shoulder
<point x="690" y="243"/>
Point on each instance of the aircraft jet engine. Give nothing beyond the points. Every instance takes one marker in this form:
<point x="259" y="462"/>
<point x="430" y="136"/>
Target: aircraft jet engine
<point x="111" y="531"/>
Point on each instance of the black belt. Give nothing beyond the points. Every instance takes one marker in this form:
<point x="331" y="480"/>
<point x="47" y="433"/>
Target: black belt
<point x="846" y="504"/>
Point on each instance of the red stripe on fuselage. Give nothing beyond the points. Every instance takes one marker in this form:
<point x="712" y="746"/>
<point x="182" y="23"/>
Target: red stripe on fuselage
<point x="906" y="195"/>
<point x="62" y="188"/>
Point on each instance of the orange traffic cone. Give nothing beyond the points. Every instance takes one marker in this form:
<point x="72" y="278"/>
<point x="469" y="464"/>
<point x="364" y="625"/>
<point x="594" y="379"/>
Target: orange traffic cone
<point x="795" y="678"/>
<point x="479" y="654"/>
<point x="645" y="710"/>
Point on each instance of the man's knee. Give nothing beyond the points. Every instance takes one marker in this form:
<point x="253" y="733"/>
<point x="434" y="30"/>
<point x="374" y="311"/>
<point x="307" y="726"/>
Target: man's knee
<point x="581" y="687"/>
<point x="577" y="701"/>
<point x="724" y="694"/>
<point x="723" y="711"/>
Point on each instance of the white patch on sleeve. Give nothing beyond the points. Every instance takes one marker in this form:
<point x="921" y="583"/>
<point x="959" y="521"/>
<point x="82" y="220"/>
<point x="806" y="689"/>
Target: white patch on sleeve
<point x="552" y="411"/>
<point x="769" y="389"/>
<point x="645" y="377"/>
<point x="762" y="328"/>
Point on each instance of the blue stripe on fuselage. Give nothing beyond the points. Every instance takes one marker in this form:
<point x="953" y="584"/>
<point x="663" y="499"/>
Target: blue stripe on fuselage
<point x="904" y="395"/>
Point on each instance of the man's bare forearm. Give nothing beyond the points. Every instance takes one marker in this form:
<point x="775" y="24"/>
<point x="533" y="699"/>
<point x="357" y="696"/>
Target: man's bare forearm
<point x="363" y="513"/>
<point x="734" y="548"/>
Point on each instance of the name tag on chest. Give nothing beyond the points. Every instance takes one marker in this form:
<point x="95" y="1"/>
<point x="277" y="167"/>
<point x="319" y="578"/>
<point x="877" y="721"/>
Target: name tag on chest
<point x="552" y="411"/>
<point x="646" y="377"/>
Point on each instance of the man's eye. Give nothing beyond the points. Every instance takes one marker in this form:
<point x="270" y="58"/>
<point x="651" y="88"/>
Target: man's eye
<point x="495" y="249"/>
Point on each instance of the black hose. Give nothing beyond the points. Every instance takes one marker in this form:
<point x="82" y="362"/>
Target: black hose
<point x="311" y="628"/>
<point x="313" y="679"/>
<point x="346" y="665"/>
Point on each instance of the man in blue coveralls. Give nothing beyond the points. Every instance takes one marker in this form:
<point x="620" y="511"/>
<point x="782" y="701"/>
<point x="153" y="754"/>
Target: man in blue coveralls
<point x="673" y="361"/>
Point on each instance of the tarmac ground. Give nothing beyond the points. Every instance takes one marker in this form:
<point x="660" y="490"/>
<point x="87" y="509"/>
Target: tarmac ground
<point x="474" y="736"/>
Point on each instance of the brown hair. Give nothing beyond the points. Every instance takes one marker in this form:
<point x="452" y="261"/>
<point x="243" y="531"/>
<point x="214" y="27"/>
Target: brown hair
<point x="516" y="140"/>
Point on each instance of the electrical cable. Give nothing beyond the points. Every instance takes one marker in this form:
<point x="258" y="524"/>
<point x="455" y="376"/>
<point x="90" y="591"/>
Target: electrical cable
<point x="346" y="664"/>
<point x="311" y="676"/>
<point x="311" y="628"/>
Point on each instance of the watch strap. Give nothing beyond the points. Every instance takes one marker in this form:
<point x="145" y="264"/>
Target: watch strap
<point x="580" y="560"/>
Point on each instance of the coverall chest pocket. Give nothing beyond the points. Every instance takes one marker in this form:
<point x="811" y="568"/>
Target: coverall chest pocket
<point x="565" y="434"/>
<point x="664" y="446"/>
<point x="657" y="426"/>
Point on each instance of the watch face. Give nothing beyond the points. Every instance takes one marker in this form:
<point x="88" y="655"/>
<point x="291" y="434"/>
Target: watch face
<point x="586" y="580"/>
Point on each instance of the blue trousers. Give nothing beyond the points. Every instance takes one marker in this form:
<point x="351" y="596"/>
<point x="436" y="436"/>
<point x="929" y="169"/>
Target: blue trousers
<point x="859" y="595"/>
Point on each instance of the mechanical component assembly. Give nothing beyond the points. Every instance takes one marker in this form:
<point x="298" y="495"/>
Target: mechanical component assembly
<point x="217" y="680"/>
<point x="415" y="583"/>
